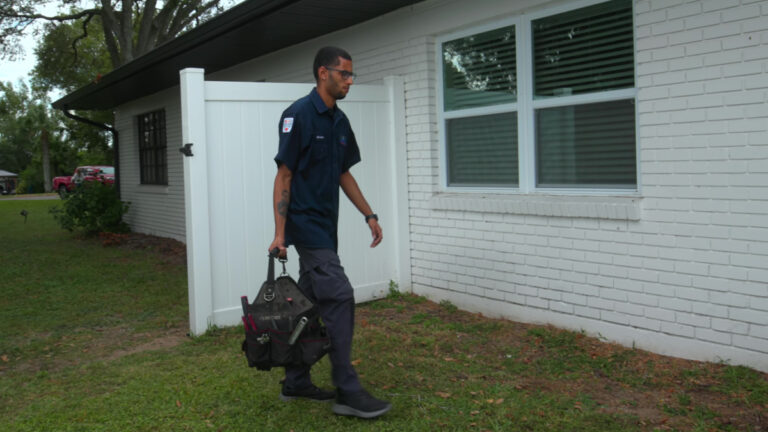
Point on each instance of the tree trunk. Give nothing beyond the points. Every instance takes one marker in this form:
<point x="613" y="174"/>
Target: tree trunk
<point x="45" y="147"/>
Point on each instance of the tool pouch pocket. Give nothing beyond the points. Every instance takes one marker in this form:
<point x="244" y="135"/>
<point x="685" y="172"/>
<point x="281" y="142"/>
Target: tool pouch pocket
<point x="281" y="353"/>
<point x="257" y="350"/>
<point x="270" y="348"/>
<point x="314" y="345"/>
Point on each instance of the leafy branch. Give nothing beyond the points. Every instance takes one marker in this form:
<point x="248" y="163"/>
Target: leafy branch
<point x="130" y="28"/>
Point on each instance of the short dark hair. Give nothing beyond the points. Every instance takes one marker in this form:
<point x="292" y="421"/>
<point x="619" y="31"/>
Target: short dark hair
<point x="328" y="56"/>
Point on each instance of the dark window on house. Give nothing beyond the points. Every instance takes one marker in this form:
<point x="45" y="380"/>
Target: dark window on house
<point x="153" y="160"/>
<point x="566" y="122"/>
<point x="585" y="144"/>
<point x="479" y="74"/>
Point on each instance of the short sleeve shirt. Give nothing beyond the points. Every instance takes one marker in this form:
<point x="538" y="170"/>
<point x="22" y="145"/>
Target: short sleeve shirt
<point x="317" y="144"/>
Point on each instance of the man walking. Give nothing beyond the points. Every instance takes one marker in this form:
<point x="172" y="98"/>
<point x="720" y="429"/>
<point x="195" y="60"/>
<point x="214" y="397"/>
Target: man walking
<point x="317" y="149"/>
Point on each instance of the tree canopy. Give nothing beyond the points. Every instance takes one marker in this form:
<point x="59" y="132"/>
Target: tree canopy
<point x="130" y="28"/>
<point x="27" y="123"/>
<point x="78" y="42"/>
<point x="58" y="66"/>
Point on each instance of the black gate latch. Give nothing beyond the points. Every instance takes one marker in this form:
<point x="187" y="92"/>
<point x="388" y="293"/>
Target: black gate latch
<point x="186" y="149"/>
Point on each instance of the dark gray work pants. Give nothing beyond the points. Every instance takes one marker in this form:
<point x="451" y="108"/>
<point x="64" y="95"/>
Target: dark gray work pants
<point x="322" y="279"/>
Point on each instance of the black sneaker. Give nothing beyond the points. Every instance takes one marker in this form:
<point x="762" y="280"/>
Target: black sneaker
<point x="312" y="392"/>
<point x="360" y="404"/>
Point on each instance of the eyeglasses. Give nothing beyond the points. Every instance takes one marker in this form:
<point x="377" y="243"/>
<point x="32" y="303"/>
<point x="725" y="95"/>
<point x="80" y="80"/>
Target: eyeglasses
<point x="345" y="75"/>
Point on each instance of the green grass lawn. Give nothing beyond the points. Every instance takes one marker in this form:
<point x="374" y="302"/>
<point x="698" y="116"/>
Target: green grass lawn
<point x="93" y="338"/>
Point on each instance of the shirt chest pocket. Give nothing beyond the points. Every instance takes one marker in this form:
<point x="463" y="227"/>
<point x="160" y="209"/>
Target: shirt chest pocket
<point x="319" y="147"/>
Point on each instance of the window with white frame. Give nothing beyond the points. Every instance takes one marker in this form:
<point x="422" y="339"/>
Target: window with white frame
<point x="542" y="102"/>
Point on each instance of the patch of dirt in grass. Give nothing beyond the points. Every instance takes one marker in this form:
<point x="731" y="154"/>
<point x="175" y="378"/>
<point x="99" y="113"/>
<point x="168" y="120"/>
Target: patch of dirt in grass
<point x="153" y="342"/>
<point x="169" y="250"/>
<point x="112" y="343"/>
<point x="87" y="345"/>
<point x="661" y="393"/>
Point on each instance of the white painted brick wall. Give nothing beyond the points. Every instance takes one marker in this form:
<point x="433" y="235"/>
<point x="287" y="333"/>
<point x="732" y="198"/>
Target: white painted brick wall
<point x="694" y="265"/>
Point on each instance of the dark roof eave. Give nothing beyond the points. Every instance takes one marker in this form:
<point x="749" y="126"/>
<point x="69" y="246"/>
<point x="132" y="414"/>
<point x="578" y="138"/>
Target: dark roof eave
<point x="220" y="24"/>
<point x="248" y="30"/>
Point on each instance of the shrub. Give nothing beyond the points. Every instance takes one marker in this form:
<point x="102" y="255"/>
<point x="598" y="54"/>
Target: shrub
<point x="394" y="291"/>
<point x="31" y="180"/>
<point x="92" y="207"/>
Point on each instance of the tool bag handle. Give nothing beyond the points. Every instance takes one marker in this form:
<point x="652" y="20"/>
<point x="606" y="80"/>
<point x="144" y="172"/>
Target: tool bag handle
<point x="271" y="269"/>
<point x="269" y="295"/>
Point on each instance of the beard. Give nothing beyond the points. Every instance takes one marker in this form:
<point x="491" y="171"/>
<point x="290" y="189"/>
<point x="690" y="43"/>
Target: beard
<point x="339" y="92"/>
<point x="336" y="89"/>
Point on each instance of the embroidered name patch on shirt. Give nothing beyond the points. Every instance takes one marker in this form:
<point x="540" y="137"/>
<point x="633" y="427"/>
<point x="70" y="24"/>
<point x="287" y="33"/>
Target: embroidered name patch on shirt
<point x="287" y="124"/>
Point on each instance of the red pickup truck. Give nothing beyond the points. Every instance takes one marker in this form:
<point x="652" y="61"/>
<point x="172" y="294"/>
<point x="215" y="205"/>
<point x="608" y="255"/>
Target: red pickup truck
<point x="101" y="173"/>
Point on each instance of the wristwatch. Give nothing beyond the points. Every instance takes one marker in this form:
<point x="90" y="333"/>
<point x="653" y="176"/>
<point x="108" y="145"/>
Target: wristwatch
<point x="372" y="216"/>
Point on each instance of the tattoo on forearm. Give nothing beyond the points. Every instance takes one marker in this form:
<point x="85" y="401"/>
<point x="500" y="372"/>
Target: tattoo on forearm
<point x="282" y="205"/>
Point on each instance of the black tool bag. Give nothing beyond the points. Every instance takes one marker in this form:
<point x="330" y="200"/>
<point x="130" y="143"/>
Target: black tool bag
<point x="282" y="326"/>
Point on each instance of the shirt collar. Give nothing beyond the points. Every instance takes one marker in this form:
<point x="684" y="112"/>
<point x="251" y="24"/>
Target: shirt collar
<point x="317" y="101"/>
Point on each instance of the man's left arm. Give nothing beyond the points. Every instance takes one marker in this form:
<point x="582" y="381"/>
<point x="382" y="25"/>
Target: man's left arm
<point x="352" y="191"/>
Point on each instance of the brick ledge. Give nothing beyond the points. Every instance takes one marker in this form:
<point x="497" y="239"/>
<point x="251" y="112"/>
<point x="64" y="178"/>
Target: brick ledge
<point x="609" y="207"/>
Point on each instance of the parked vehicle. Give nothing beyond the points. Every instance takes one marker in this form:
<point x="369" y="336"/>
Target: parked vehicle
<point x="8" y="181"/>
<point x="100" y="173"/>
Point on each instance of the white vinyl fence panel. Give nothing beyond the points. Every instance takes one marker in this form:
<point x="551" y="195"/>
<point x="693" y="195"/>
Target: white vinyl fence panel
<point x="228" y="180"/>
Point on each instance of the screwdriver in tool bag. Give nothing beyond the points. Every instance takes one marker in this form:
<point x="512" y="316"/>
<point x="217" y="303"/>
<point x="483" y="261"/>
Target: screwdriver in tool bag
<point x="299" y="327"/>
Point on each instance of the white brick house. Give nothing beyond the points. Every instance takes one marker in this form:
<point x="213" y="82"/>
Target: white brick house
<point x="668" y="253"/>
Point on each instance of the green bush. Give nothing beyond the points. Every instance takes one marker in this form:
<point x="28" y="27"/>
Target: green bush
<point x="31" y="180"/>
<point x="92" y="207"/>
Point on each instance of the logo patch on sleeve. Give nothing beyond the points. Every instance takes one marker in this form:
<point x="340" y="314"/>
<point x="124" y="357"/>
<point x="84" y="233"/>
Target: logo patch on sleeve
<point x="287" y="124"/>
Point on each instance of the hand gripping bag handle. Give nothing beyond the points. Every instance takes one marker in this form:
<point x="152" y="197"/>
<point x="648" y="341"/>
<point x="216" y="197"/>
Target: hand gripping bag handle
<point x="271" y="269"/>
<point x="269" y="295"/>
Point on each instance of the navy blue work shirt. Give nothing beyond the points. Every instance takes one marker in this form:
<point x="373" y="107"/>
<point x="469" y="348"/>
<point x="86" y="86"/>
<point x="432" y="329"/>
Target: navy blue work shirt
<point x="317" y="144"/>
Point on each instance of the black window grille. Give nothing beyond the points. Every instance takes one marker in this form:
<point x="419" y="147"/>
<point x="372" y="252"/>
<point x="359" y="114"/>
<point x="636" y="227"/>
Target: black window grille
<point x="153" y="158"/>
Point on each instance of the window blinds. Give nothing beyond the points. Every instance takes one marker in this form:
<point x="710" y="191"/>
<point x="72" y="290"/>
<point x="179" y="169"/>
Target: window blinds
<point x="590" y="145"/>
<point x="586" y="50"/>
<point x="482" y="150"/>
